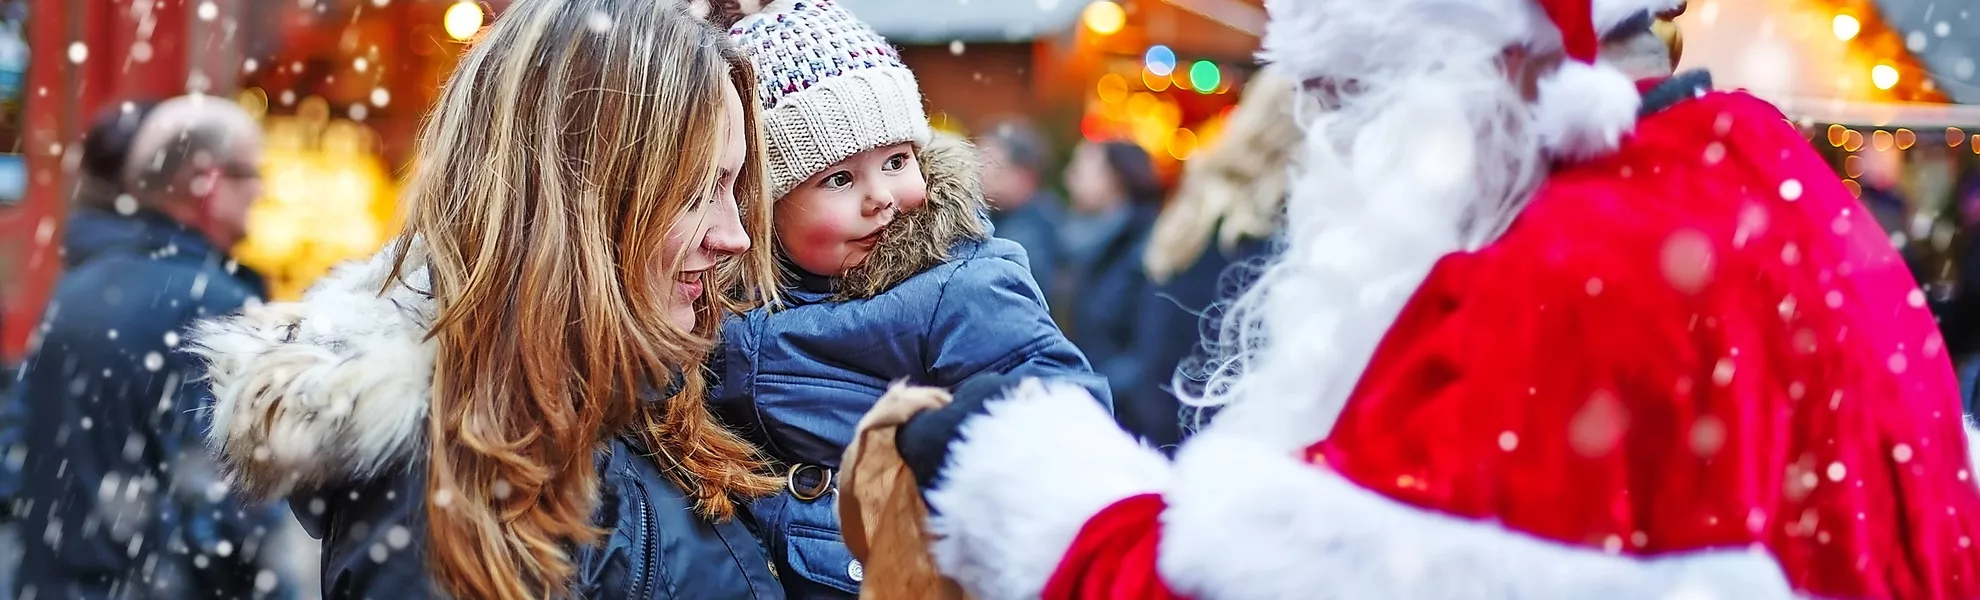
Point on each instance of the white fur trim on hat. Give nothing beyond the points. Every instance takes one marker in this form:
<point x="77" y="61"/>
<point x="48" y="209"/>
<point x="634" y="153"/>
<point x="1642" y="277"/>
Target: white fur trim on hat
<point x="838" y="117"/>
<point x="1584" y="110"/>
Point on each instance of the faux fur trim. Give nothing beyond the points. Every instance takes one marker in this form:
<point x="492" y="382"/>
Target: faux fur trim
<point x="1247" y="522"/>
<point x="328" y="389"/>
<point x="954" y="213"/>
<point x="1023" y="480"/>
<point x="1584" y="110"/>
<point x="1610" y="13"/>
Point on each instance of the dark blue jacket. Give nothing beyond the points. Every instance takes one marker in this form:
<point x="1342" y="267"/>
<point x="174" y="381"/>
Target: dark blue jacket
<point x="1171" y="332"/>
<point x="374" y="538"/>
<point x="1035" y="226"/>
<point x="343" y="438"/>
<point x="114" y="477"/>
<point x="1104" y="292"/>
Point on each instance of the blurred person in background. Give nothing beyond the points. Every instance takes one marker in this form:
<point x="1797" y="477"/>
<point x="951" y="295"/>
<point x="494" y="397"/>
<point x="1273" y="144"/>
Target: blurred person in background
<point x="1204" y="246"/>
<point x="1959" y="317"/>
<point x="1101" y="285"/>
<point x="1023" y="209"/>
<point x="116" y="496"/>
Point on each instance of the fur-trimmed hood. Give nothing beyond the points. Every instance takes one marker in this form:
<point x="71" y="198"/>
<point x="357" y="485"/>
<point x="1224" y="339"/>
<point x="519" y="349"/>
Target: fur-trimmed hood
<point x="326" y="390"/>
<point x="955" y="213"/>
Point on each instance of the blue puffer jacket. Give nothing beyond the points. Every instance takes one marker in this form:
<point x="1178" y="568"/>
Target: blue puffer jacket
<point x="325" y="401"/>
<point x="796" y="380"/>
<point x="103" y="405"/>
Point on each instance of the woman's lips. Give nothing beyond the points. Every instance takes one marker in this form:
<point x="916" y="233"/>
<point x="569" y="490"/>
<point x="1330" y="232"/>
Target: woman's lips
<point x="688" y="286"/>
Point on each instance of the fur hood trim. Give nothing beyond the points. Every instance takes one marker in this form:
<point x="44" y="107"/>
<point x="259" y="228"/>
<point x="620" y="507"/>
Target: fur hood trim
<point x="326" y="390"/>
<point x="955" y="213"/>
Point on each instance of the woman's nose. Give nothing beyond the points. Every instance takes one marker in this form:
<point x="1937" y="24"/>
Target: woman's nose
<point x="727" y="237"/>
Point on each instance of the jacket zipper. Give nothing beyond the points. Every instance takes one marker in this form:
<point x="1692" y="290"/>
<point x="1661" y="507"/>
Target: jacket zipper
<point x="646" y="537"/>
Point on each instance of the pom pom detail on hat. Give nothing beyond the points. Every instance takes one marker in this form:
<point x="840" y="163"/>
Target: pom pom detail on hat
<point x="830" y="87"/>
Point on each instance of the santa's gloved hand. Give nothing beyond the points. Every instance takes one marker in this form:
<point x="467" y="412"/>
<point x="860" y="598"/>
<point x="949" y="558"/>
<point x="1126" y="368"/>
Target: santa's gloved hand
<point x="924" y="441"/>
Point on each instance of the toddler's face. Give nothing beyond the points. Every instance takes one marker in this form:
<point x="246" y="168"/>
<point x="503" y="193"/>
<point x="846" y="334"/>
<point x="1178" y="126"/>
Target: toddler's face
<point x="831" y="222"/>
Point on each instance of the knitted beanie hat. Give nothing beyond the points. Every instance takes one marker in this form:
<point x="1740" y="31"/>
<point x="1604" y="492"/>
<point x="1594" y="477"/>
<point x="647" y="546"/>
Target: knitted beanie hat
<point x="830" y="88"/>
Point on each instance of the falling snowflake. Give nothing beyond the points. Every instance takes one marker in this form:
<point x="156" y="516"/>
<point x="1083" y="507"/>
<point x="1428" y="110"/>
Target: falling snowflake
<point x="153" y="361"/>
<point x="1708" y="435"/>
<point x="1791" y="190"/>
<point x="1508" y="441"/>
<point x="207" y="11"/>
<point x="1687" y="260"/>
<point x="380" y="97"/>
<point x="78" y="52"/>
<point x="598" y="22"/>
<point x="1837" y="471"/>
<point x="1714" y="153"/>
<point x="956" y="47"/>
<point x="1901" y="453"/>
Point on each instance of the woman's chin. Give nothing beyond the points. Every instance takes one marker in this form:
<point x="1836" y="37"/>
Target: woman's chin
<point x="683" y="318"/>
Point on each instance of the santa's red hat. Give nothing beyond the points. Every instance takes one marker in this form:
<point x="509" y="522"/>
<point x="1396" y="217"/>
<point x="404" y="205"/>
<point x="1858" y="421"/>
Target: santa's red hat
<point x="1584" y="107"/>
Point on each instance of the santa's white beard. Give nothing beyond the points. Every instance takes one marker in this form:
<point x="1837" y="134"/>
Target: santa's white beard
<point x="1410" y="167"/>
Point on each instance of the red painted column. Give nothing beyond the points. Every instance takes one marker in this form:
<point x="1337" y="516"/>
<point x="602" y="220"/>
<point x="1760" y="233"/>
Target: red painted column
<point x="128" y="49"/>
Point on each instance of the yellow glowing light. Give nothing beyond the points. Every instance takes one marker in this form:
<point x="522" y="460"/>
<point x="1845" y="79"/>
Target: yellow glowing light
<point x="1882" y="140"/>
<point x="1112" y="88"/>
<point x="1853" y="142"/>
<point x="462" y="20"/>
<point x="1182" y="144"/>
<point x="1906" y="139"/>
<point x="1955" y="137"/>
<point x="1847" y="27"/>
<point x="1885" y="76"/>
<point x="1104" y="17"/>
<point x="1141" y="105"/>
<point x="1837" y="135"/>
<point x="1153" y="81"/>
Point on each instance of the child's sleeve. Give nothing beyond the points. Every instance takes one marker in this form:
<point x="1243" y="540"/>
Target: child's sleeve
<point x="991" y="318"/>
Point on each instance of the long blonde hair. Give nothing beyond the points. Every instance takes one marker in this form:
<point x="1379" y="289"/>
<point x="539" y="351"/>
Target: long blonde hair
<point x="571" y="139"/>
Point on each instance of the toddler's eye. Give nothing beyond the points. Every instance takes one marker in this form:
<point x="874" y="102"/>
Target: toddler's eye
<point x="838" y="180"/>
<point x="896" y="162"/>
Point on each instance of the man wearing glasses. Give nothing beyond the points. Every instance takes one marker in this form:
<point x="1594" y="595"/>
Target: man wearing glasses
<point x="115" y="498"/>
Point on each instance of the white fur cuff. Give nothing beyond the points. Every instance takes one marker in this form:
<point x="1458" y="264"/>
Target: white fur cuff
<point x="1022" y="482"/>
<point x="1584" y="110"/>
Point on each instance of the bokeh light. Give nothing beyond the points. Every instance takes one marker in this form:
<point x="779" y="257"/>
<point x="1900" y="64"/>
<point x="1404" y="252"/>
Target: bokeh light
<point x="1884" y="76"/>
<point x="462" y="20"/>
<point x="1104" y="17"/>
<point x="1160" y="60"/>
<point x="1204" y="76"/>
<point x="1846" y="27"/>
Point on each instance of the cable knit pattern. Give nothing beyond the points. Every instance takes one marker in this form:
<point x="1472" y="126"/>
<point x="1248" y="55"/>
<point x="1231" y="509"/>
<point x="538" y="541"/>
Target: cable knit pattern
<point x="830" y="88"/>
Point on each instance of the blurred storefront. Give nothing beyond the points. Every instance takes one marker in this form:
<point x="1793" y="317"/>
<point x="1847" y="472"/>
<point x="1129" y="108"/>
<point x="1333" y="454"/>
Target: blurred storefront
<point x="1887" y="89"/>
<point x="1162" y="73"/>
<point x="340" y="85"/>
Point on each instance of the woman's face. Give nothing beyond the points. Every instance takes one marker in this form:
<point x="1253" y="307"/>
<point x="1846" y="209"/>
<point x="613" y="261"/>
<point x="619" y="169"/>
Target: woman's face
<point x="1091" y="184"/>
<point x="712" y="229"/>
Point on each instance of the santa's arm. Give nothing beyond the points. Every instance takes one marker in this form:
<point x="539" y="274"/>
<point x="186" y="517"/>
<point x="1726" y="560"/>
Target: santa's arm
<point x="1024" y="483"/>
<point x="1023" y="479"/>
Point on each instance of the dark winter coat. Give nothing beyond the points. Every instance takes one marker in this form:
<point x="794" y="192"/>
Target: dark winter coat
<point x="796" y="379"/>
<point x="325" y="401"/>
<point x="1035" y="226"/>
<point x="1171" y="332"/>
<point x="1104" y="291"/>
<point x="113" y="494"/>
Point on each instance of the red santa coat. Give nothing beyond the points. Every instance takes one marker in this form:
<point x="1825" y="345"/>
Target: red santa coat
<point x="1694" y="365"/>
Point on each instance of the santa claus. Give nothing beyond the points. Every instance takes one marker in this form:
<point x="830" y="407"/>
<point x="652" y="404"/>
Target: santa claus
<point x="1535" y="332"/>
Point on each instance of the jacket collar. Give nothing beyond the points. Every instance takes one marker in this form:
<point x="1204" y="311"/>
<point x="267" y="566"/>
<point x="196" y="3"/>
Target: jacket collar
<point x="1664" y="92"/>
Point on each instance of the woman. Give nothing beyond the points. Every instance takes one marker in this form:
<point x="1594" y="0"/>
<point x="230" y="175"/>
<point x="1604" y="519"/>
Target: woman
<point x="497" y="405"/>
<point x="1209" y="244"/>
<point x="1115" y="197"/>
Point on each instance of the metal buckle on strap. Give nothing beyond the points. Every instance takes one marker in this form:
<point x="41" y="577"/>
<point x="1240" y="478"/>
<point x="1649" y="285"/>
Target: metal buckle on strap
<point x="824" y="485"/>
